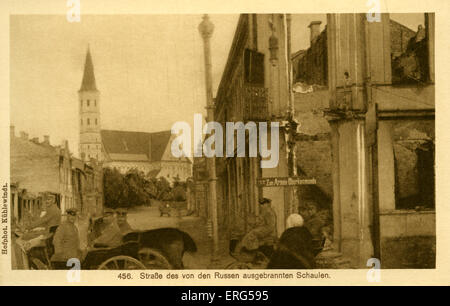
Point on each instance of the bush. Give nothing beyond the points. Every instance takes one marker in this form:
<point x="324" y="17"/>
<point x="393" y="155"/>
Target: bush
<point x="135" y="188"/>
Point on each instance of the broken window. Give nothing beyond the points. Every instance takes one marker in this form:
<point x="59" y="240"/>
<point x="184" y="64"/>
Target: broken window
<point x="409" y="48"/>
<point x="414" y="164"/>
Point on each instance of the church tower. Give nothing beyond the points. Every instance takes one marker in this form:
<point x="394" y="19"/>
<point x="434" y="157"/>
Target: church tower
<point x="89" y="103"/>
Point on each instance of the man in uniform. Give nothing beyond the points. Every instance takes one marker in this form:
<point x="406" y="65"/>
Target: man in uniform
<point x="263" y="236"/>
<point x="52" y="217"/>
<point x="121" y="216"/>
<point x="111" y="235"/>
<point x="66" y="241"/>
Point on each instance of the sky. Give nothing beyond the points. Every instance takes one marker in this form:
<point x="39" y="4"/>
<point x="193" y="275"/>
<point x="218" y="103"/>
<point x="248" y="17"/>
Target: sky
<point x="148" y="68"/>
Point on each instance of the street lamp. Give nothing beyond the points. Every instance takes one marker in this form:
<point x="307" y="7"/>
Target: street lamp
<point x="206" y="29"/>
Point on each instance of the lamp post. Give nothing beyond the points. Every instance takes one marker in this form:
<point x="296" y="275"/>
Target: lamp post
<point x="292" y="123"/>
<point x="206" y="29"/>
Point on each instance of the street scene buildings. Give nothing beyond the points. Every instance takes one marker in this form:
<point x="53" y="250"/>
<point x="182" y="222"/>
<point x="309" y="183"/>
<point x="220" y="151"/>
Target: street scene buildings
<point x="353" y="102"/>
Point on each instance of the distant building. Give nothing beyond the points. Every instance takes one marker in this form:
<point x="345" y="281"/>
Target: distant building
<point x="146" y="152"/>
<point x="38" y="167"/>
<point x="124" y="150"/>
<point x="89" y="96"/>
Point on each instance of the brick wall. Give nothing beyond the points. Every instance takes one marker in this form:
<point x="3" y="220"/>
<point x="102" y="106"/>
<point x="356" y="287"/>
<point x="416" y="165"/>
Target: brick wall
<point x="313" y="65"/>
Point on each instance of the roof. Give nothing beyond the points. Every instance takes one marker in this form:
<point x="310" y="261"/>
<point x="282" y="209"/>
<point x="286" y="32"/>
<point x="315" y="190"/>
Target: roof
<point x="393" y="22"/>
<point x="136" y="146"/>
<point x="298" y="53"/>
<point x="88" y="82"/>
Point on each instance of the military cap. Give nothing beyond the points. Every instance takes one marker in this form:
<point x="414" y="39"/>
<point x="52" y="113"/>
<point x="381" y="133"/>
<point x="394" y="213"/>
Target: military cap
<point x="71" y="211"/>
<point x="121" y="211"/>
<point x="264" y="201"/>
<point x="108" y="210"/>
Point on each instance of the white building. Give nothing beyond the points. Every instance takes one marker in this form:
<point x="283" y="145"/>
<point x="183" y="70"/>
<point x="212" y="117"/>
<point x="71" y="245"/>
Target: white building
<point x="124" y="150"/>
<point x="147" y="152"/>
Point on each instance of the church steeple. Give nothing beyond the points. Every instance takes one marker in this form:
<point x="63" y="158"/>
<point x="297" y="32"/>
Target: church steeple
<point x="90" y="127"/>
<point x="88" y="82"/>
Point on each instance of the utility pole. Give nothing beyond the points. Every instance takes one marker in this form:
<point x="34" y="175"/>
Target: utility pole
<point x="206" y="29"/>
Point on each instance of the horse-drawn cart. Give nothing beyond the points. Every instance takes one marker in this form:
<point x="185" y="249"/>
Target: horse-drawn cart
<point x="153" y="249"/>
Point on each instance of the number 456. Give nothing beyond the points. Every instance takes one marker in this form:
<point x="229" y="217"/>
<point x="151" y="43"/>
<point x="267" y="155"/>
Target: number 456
<point x="124" y="276"/>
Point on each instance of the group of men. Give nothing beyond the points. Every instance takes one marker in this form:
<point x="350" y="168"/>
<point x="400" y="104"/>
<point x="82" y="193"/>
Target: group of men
<point x="295" y="249"/>
<point x="66" y="238"/>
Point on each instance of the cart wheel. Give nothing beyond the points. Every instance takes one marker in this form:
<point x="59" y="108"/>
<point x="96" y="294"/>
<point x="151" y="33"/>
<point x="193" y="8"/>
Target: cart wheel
<point x="36" y="264"/>
<point x="238" y="265"/>
<point x="153" y="259"/>
<point x="122" y="263"/>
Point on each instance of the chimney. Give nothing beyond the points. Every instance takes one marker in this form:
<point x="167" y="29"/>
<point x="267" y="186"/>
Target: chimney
<point x="12" y="132"/>
<point x="314" y="28"/>
<point x="46" y="139"/>
<point x="24" y="135"/>
<point x="35" y="139"/>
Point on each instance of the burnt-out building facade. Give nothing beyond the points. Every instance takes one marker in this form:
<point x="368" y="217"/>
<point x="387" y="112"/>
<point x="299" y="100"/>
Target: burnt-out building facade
<point x="381" y="113"/>
<point x="363" y="95"/>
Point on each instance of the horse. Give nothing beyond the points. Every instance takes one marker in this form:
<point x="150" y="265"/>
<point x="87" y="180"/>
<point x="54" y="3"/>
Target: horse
<point x="172" y="243"/>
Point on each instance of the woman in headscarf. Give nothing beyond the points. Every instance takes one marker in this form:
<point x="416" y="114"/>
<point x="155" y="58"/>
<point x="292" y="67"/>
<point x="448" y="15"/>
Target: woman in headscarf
<point x="295" y="248"/>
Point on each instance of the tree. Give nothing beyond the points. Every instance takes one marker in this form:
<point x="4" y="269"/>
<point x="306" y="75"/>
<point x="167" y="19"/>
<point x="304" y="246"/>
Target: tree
<point x="115" y="188"/>
<point x="135" y="188"/>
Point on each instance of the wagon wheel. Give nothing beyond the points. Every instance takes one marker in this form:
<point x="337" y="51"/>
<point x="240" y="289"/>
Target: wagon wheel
<point x="121" y="263"/>
<point x="36" y="264"/>
<point x="238" y="265"/>
<point x="153" y="259"/>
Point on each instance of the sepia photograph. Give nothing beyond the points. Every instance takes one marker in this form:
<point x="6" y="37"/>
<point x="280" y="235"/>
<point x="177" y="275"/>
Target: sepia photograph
<point x="96" y="173"/>
<point x="204" y="145"/>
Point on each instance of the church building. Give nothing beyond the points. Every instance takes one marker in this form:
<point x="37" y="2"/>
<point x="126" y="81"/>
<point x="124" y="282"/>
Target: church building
<point x="124" y="150"/>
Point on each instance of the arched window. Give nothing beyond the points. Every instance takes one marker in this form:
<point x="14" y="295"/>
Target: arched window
<point x="95" y="102"/>
<point x="95" y="121"/>
<point x="81" y="121"/>
<point x="81" y="103"/>
<point x="88" y="121"/>
<point x="87" y="102"/>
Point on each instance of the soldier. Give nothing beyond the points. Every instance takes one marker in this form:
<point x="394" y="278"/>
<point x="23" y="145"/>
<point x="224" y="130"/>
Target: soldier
<point x="52" y="217"/>
<point x="263" y="236"/>
<point x="121" y="216"/>
<point x="66" y="241"/>
<point x="111" y="235"/>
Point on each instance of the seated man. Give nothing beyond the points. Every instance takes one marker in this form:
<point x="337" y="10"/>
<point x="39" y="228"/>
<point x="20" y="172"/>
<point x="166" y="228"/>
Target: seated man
<point x="52" y="217"/>
<point x="263" y="236"/>
<point x="36" y="232"/>
<point x="66" y="242"/>
<point x="111" y="235"/>
<point x="121" y="216"/>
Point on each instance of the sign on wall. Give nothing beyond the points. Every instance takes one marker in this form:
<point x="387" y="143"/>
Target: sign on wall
<point x="284" y="181"/>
